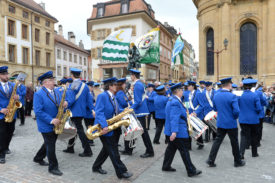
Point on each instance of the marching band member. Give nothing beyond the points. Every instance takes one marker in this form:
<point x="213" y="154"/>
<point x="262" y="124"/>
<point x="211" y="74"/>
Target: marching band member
<point x="6" y="129"/>
<point x="150" y="103"/>
<point x="202" y="86"/>
<point x="89" y="118"/>
<point x="141" y="110"/>
<point x="81" y="95"/>
<point x="106" y="108"/>
<point x="23" y="91"/>
<point x="219" y="85"/>
<point x="46" y="103"/>
<point x="226" y="104"/>
<point x="177" y="129"/>
<point x="250" y="108"/>
<point x="160" y="101"/>
<point x="234" y="87"/>
<point x="123" y="102"/>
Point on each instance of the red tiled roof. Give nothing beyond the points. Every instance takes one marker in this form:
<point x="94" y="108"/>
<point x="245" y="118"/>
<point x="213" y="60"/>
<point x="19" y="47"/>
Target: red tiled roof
<point x="35" y="7"/>
<point x="62" y="40"/>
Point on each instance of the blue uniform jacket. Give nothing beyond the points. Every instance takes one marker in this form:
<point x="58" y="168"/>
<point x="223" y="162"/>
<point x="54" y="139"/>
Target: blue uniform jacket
<point x="4" y="99"/>
<point x="104" y="110"/>
<point x="226" y="104"/>
<point x="78" y="107"/>
<point x="150" y="101"/>
<point x="122" y="99"/>
<point x="197" y="103"/>
<point x="139" y="105"/>
<point x="90" y="106"/>
<point x="176" y="118"/>
<point x="46" y="108"/>
<point x="263" y="102"/>
<point x="160" y="102"/>
<point x="206" y="106"/>
<point x="23" y="91"/>
<point x="185" y="95"/>
<point x="250" y="108"/>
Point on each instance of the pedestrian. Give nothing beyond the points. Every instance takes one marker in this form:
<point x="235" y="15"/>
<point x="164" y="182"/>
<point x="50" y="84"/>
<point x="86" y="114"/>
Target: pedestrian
<point x="29" y="99"/>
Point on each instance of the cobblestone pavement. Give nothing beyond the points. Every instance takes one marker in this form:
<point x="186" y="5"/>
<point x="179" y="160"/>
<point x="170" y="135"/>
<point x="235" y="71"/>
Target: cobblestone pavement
<point x="20" y="168"/>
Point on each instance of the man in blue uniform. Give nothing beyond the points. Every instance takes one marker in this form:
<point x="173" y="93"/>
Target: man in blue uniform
<point x="150" y="103"/>
<point x="226" y="104"/>
<point x="81" y="95"/>
<point x="46" y="103"/>
<point x="250" y="108"/>
<point x="177" y="129"/>
<point x="6" y="129"/>
<point x="141" y="110"/>
<point x="106" y="108"/>
<point x="202" y="86"/>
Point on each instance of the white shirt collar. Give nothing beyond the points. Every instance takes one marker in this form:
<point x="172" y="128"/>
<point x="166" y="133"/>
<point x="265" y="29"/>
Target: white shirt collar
<point x="49" y="90"/>
<point x="110" y="93"/>
<point x="3" y="84"/>
<point x="225" y="89"/>
<point x="178" y="97"/>
<point x="135" y="81"/>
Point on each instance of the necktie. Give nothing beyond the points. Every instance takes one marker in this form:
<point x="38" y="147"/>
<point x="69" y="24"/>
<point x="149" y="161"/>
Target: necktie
<point x="52" y="93"/>
<point x="115" y="104"/>
<point x="6" y="89"/>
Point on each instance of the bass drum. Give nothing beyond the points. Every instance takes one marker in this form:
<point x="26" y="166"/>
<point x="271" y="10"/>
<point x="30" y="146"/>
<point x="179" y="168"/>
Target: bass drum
<point x="199" y="127"/>
<point x="69" y="132"/>
<point x="211" y="120"/>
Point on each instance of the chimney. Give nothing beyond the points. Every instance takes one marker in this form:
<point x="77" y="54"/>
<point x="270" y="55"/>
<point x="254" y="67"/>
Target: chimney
<point x="166" y="24"/>
<point x="60" y="30"/>
<point x="42" y="5"/>
<point x="73" y="38"/>
<point x="69" y="35"/>
<point x="81" y="45"/>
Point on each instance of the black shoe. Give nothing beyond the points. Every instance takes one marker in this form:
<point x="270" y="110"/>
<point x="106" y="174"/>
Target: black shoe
<point x="169" y="169"/>
<point x="126" y="175"/>
<point x="156" y="142"/>
<point x="8" y="151"/>
<point x="71" y="151"/>
<point x="200" y="147"/>
<point x="42" y="163"/>
<point x="206" y="141"/>
<point x="259" y="145"/>
<point x="247" y="147"/>
<point x="91" y="143"/>
<point x="211" y="163"/>
<point x="147" y="155"/>
<point x="126" y="153"/>
<point x="100" y="170"/>
<point x="22" y="124"/>
<point x="197" y="172"/>
<point x="255" y="155"/>
<point x="56" y="172"/>
<point x="242" y="157"/>
<point x="2" y="161"/>
<point x="86" y="154"/>
<point x="239" y="164"/>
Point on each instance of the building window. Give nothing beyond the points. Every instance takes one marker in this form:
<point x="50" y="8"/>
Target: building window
<point x="24" y="31"/>
<point x="75" y="59"/>
<point x="85" y="61"/>
<point x="25" y="14"/>
<point x="12" y="53"/>
<point x="37" y="34"/>
<point x="248" y="49"/>
<point x="210" y="55"/>
<point x="37" y="19"/>
<point x="11" y="28"/>
<point x="58" y="53"/>
<point x="11" y="9"/>
<point x="85" y="74"/>
<point x="59" y="70"/>
<point x="100" y="12"/>
<point x="47" y="38"/>
<point x="64" y="71"/>
<point x="48" y="23"/>
<point x="48" y="59"/>
<point x="37" y="57"/>
<point x="98" y="53"/>
<point x="100" y="34"/>
<point x="124" y="8"/>
<point x="70" y="57"/>
<point x="64" y="55"/>
<point x="25" y="53"/>
<point x="80" y="60"/>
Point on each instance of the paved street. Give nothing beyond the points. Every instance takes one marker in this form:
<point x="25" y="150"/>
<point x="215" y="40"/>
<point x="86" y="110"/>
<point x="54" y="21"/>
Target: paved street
<point x="20" y="167"/>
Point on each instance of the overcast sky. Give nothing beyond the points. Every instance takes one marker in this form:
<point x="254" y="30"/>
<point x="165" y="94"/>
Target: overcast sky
<point x="73" y="16"/>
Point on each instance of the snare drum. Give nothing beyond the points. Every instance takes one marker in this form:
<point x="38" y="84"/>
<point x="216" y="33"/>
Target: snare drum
<point x="198" y="127"/>
<point x="134" y="130"/>
<point x="211" y="120"/>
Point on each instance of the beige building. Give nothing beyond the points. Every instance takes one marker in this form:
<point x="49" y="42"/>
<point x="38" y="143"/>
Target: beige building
<point x="249" y="27"/>
<point x="26" y="38"/>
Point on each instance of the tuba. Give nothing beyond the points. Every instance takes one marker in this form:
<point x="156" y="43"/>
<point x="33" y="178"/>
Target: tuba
<point x="61" y="115"/>
<point x="14" y="104"/>
<point x="113" y="123"/>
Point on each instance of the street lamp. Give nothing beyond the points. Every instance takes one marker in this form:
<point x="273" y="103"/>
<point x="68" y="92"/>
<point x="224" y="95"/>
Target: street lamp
<point x="209" y="45"/>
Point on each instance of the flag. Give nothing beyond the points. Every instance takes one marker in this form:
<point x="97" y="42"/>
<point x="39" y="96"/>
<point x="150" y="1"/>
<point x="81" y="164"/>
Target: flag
<point x="148" y="47"/>
<point x="178" y="47"/>
<point x="116" y="45"/>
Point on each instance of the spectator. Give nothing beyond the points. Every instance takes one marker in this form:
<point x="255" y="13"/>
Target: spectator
<point x="29" y="99"/>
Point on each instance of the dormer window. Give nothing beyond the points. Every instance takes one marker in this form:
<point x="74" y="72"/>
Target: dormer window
<point x="124" y="8"/>
<point x="100" y="12"/>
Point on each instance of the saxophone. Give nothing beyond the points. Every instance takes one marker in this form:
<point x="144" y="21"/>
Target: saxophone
<point x="113" y="124"/>
<point x="13" y="105"/>
<point x="61" y="115"/>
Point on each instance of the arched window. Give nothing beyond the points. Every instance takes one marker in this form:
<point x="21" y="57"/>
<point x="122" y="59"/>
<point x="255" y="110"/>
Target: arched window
<point x="248" y="49"/>
<point x="210" y="54"/>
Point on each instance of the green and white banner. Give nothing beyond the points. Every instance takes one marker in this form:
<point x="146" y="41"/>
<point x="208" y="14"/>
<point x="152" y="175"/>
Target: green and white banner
<point x="116" y="45"/>
<point x="148" y="47"/>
